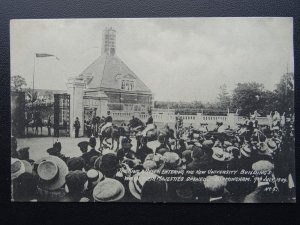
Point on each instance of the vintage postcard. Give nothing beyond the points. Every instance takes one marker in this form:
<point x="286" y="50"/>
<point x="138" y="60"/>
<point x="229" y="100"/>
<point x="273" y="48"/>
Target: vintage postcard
<point x="196" y="110"/>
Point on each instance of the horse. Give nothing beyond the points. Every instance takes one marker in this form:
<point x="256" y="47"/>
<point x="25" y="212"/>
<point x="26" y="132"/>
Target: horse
<point x="114" y="133"/>
<point x="38" y="123"/>
<point x="152" y="135"/>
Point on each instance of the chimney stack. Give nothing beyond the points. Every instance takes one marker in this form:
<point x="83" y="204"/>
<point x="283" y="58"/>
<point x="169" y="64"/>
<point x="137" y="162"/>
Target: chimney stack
<point x="109" y="41"/>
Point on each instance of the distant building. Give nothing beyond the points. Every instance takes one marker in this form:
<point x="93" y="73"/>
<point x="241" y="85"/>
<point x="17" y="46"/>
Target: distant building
<point x="109" y="78"/>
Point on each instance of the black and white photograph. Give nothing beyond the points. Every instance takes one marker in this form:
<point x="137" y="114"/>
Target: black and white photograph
<point x="159" y="110"/>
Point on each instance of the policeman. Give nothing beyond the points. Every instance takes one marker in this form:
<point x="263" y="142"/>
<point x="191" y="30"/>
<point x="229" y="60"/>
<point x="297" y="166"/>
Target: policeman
<point x="77" y="127"/>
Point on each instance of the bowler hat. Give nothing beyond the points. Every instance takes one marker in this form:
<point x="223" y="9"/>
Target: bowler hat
<point x="51" y="171"/>
<point x="108" y="190"/>
<point x="197" y="152"/>
<point x="107" y="164"/>
<point x="76" y="163"/>
<point x="83" y="144"/>
<point x="23" y="153"/>
<point x="75" y="181"/>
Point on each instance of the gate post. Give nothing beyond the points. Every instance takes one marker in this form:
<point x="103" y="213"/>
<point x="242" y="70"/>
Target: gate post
<point x="18" y="113"/>
<point x="76" y="90"/>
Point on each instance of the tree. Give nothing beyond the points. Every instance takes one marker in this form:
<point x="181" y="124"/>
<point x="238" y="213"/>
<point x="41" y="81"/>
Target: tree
<point x="18" y="82"/>
<point x="285" y="93"/>
<point x="247" y="97"/>
<point x="223" y="98"/>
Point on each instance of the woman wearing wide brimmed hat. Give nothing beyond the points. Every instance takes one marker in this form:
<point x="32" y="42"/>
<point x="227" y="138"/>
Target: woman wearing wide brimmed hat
<point x="51" y="172"/>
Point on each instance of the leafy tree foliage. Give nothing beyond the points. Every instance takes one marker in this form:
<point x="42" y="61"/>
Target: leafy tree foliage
<point x="18" y="82"/>
<point x="223" y="98"/>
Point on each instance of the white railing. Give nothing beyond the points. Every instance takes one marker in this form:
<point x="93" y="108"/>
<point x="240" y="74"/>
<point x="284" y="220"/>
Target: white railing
<point x="159" y="117"/>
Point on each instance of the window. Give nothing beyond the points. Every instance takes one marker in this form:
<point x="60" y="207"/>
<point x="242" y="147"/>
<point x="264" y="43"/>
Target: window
<point x="127" y="85"/>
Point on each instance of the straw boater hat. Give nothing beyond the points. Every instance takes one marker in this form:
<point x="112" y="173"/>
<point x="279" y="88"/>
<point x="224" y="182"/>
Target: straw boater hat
<point x="51" y="171"/>
<point x="272" y="145"/>
<point x="227" y="144"/>
<point x="172" y="159"/>
<point x="264" y="149"/>
<point x="28" y="167"/>
<point x="208" y="144"/>
<point x="162" y="151"/>
<point x="157" y="158"/>
<point x="108" y="190"/>
<point x="246" y="151"/>
<point x="263" y="165"/>
<point x="220" y="155"/>
<point x="94" y="176"/>
<point x="149" y="165"/>
<point x="137" y="182"/>
<point x="17" y="168"/>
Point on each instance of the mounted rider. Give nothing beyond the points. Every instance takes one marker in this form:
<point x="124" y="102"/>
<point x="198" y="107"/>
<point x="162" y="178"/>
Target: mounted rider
<point x="135" y="123"/>
<point x="149" y="124"/>
<point x="107" y="122"/>
<point x="179" y="121"/>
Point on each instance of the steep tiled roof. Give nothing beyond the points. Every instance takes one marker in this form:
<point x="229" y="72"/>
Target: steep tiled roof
<point x="105" y="71"/>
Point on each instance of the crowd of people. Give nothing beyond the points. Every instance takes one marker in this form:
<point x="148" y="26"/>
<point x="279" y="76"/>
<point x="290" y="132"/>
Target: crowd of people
<point x="251" y="164"/>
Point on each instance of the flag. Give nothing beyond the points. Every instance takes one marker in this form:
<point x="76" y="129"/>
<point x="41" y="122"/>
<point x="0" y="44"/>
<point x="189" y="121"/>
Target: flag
<point x="39" y="55"/>
<point x="42" y="55"/>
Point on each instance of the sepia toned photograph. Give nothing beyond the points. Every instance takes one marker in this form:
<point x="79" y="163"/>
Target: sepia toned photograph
<point x="160" y="110"/>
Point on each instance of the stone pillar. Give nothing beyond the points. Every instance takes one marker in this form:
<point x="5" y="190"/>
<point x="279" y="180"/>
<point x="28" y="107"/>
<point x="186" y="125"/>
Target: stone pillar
<point x="231" y="120"/>
<point x="76" y="90"/>
<point x="103" y="106"/>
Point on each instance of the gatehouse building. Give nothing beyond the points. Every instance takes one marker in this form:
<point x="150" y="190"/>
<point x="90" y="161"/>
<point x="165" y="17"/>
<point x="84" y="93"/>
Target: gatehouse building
<point x="107" y="84"/>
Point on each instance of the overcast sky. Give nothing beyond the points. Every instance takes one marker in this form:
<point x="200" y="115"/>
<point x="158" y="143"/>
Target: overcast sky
<point x="178" y="59"/>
